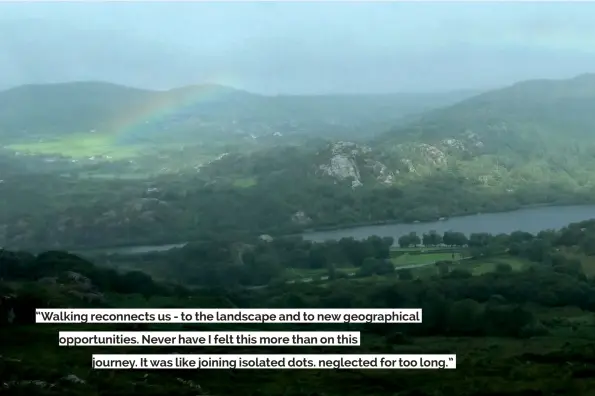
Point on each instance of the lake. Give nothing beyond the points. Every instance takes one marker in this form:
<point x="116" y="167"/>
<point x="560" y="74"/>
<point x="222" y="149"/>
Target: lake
<point x="530" y="220"/>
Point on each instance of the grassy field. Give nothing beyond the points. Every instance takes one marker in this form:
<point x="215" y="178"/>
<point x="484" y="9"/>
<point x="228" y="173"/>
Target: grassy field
<point x="399" y="259"/>
<point x="489" y="264"/>
<point x="81" y="146"/>
<point x="475" y="267"/>
<point x="412" y="259"/>
<point x="416" y="249"/>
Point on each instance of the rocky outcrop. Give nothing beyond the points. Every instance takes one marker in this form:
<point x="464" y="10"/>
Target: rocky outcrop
<point x="342" y="167"/>
<point x="266" y="238"/>
<point x="301" y="218"/>
<point x="381" y="171"/>
<point x="342" y="164"/>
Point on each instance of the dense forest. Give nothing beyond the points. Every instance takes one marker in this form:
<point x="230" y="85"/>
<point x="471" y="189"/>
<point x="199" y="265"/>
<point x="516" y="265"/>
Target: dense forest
<point x="517" y="310"/>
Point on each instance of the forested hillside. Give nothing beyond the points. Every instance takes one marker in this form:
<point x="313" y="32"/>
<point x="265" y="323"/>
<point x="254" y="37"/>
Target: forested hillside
<point x="532" y="132"/>
<point x="522" y="145"/>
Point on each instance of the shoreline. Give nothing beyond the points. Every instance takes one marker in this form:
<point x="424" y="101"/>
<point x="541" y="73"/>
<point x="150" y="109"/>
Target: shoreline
<point x="157" y="247"/>
<point x="394" y="222"/>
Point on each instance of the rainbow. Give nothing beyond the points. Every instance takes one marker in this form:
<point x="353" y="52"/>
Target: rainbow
<point x="132" y="124"/>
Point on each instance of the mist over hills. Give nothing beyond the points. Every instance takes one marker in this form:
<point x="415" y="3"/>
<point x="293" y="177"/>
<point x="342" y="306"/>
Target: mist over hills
<point x="528" y="143"/>
<point x="545" y="120"/>
<point x="242" y="161"/>
<point x="551" y="104"/>
<point x="528" y="117"/>
<point x="52" y="110"/>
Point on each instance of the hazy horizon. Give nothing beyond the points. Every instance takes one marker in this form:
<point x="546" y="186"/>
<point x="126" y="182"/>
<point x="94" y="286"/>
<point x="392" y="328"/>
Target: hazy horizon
<point x="296" y="48"/>
<point x="173" y="88"/>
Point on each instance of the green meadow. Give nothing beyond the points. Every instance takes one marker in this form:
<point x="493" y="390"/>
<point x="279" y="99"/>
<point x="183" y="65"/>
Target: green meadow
<point x="80" y="146"/>
<point x="408" y="258"/>
<point x="423" y="258"/>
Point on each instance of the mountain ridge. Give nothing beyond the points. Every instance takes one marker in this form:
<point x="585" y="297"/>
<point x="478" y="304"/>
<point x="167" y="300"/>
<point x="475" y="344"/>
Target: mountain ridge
<point x="477" y="139"/>
<point x="474" y="156"/>
<point x="537" y="102"/>
<point x="223" y="87"/>
<point x="43" y="110"/>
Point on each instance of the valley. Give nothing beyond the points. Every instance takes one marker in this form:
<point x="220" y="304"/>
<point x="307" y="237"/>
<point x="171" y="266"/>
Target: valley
<point x="462" y="210"/>
<point x="284" y="155"/>
<point x="472" y="156"/>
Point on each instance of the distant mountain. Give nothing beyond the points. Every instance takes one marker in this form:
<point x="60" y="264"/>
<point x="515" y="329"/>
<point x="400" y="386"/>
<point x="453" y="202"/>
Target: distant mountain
<point x="523" y="111"/>
<point x="47" y="110"/>
<point x="195" y="112"/>
<point x="90" y="106"/>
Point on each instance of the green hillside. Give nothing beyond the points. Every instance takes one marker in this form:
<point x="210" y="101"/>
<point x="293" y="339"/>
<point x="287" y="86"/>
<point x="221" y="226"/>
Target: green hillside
<point x="522" y="145"/>
<point x="551" y="109"/>
<point x="192" y="113"/>
<point x="532" y="132"/>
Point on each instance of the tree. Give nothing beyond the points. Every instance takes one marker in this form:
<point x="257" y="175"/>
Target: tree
<point x="536" y="250"/>
<point x="452" y="238"/>
<point x="520" y="237"/>
<point x="480" y="239"/>
<point x="381" y="246"/>
<point x="317" y="257"/>
<point x="408" y="240"/>
<point x="414" y="239"/>
<point x="432" y="238"/>
<point x="388" y="243"/>
<point x="443" y="267"/>
<point x="459" y="273"/>
<point x="356" y="251"/>
<point x="588" y="244"/>
<point x="570" y="236"/>
<point x="405" y="274"/>
<point x="331" y="271"/>
<point x="503" y="268"/>
<point x="465" y="317"/>
<point x="404" y="241"/>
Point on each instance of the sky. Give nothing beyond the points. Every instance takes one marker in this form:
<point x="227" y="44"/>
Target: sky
<point x="298" y="48"/>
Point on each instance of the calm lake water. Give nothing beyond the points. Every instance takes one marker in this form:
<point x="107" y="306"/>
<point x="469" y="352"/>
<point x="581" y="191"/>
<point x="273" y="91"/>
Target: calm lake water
<point x="531" y="220"/>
